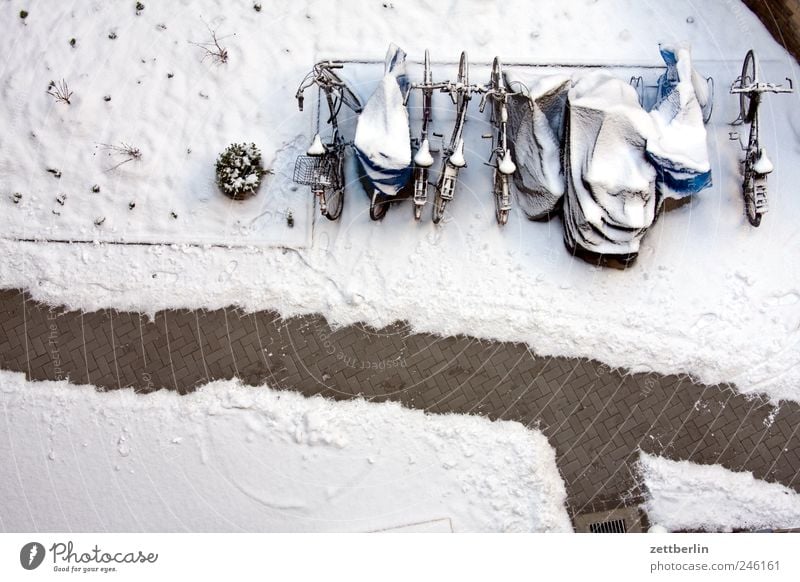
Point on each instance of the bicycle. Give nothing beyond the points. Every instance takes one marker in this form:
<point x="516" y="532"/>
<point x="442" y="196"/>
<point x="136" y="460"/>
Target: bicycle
<point x="423" y="160"/>
<point x="757" y="165"/>
<point x="322" y="167"/>
<point x="504" y="165"/>
<point x="453" y="154"/>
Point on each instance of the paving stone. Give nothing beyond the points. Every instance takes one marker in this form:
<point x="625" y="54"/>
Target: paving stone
<point x="597" y="419"/>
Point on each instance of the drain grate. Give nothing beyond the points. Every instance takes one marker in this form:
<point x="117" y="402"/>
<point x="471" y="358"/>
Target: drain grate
<point x="617" y="520"/>
<point x="611" y="526"/>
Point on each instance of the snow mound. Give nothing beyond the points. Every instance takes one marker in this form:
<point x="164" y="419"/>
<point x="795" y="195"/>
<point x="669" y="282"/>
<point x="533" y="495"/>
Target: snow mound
<point x="684" y="495"/>
<point x="236" y="458"/>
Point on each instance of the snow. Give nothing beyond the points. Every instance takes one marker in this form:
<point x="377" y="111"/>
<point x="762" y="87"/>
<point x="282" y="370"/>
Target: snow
<point x="236" y="458"/>
<point x="688" y="496"/>
<point x="709" y="296"/>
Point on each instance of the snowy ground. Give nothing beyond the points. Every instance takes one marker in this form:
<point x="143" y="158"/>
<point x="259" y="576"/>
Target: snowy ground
<point x="234" y="458"/>
<point x="710" y="295"/>
<point x="685" y="495"/>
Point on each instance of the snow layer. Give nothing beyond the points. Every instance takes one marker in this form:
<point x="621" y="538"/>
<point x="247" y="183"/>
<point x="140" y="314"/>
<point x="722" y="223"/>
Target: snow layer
<point x="709" y="296"/>
<point x="235" y="458"/>
<point x="685" y="495"/>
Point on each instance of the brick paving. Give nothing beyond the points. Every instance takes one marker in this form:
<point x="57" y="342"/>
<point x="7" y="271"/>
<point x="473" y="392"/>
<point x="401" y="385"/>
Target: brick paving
<point x="596" y="418"/>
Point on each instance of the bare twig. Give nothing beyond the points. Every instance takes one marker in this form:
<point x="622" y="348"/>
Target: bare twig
<point x="59" y="90"/>
<point x="213" y="50"/>
<point x="127" y="152"/>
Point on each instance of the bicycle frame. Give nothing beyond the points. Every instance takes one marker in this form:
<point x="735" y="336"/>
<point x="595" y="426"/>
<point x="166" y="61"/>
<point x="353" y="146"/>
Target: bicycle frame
<point x="756" y="165"/>
<point x="421" y="164"/>
<point x="322" y="167"/>
<point x="503" y="164"/>
<point x="449" y="170"/>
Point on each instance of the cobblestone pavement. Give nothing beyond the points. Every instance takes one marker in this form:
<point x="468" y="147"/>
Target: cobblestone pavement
<point x="596" y="418"/>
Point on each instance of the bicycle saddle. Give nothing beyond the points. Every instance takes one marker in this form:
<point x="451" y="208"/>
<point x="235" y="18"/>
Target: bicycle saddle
<point x="423" y="157"/>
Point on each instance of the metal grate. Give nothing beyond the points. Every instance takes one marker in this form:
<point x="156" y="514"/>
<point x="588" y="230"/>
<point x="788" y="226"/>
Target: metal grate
<point x="610" y="526"/>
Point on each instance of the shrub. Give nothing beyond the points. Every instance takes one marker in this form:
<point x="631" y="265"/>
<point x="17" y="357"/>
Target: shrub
<point x="239" y="170"/>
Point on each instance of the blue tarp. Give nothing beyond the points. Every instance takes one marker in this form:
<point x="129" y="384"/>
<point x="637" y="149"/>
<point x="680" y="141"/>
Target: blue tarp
<point x="383" y="137"/>
<point x="679" y="155"/>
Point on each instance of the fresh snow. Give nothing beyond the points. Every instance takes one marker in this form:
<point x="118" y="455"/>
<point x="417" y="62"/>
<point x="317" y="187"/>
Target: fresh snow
<point x="710" y="295"/>
<point x="688" y="496"/>
<point x="235" y="458"/>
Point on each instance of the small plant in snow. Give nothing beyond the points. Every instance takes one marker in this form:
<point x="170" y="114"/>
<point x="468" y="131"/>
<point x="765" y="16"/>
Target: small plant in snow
<point x="60" y="90"/>
<point x="139" y="8"/>
<point x="239" y="171"/>
<point x="125" y="152"/>
<point x="213" y="50"/>
<point x="23" y="14"/>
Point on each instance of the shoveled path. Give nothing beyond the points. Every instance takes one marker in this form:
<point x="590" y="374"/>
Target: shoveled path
<point x="596" y="418"/>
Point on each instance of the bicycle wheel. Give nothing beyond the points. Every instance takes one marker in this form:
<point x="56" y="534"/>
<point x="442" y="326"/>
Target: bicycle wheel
<point x="500" y="188"/>
<point x="378" y="205"/>
<point x="463" y="77"/>
<point x="747" y="104"/>
<point x="420" y="187"/>
<point x="428" y="75"/>
<point x="497" y="74"/>
<point x="439" y="204"/>
<point x="334" y="194"/>
<point x="749" y="190"/>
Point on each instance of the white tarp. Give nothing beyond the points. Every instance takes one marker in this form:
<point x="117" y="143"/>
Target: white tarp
<point x="383" y="135"/>
<point x="611" y="192"/>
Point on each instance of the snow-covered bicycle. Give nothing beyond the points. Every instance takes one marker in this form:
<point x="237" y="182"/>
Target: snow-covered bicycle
<point x="453" y="152"/>
<point x="503" y="165"/>
<point x="423" y="160"/>
<point x="757" y="165"/>
<point x="322" y="167"/>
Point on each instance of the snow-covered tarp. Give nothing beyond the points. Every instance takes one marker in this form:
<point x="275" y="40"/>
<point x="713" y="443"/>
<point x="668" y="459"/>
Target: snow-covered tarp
<point x="240" y="458"/>
<point x="678" y="149"/>
<point x="610" y="201"/>
<point x="536" y="127"/>
<point x="383" y="136"/>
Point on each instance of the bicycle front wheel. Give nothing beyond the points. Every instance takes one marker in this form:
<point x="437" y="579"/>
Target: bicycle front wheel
<point x="748" y="104"/>
<point x="501" y="201"/>
<point x="334" y="194"/>
<point x="750" y="207"/>
<point x="439" y="204"/>
<point x="378" y="205"/>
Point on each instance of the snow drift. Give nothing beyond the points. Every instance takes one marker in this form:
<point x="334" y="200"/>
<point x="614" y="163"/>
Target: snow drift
<point x="234" y="458"/>
<point x="687" y="496"/>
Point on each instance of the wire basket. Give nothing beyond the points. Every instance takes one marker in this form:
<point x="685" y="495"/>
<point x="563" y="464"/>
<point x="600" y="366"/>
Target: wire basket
<point x="314" y="170"/>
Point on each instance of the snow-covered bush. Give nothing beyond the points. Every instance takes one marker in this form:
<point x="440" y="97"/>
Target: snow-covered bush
<point x="239" y="170"/>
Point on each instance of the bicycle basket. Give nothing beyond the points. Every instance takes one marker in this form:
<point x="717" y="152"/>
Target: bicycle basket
<point x="314" y="170"/>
